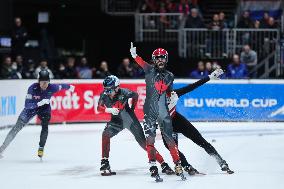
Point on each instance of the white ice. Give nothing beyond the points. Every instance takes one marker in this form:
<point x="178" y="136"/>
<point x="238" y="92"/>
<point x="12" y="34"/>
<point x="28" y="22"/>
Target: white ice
<point x="255" y="151"/>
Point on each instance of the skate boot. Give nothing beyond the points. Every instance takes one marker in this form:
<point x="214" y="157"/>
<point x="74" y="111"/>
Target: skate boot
<point x="40" y="152"/>
<point x="105" y="168"/>
<point x="166" y="169"/>
<point x="179" y="171"/>
<point x="154" y="173"/>
<point x="190" y="170"/>
<point x="225" y="167"/>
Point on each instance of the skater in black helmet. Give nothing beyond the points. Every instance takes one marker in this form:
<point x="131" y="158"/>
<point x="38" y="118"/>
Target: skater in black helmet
<point x="182" y="125"/>
<point x="37" y="103"/>
<point x="114" y="100"/>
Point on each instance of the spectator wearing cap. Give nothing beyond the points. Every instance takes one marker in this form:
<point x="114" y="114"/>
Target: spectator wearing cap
<point x="43" y="65"/>
<point x="200" y="72"/>
<point x="237" y="70"/>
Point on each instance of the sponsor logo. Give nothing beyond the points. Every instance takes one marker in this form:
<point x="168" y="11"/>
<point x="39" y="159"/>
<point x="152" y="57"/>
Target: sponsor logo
<point x="279" y="111"/>
<point x="7" y="105"/>
<point x="229" y="102"/>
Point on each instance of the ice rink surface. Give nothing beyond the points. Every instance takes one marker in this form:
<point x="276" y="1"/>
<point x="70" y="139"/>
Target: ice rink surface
<point x="255" y="151"/>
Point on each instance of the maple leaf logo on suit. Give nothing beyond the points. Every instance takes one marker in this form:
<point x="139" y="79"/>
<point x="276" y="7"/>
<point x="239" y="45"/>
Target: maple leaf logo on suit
<point x="161" y="86"/>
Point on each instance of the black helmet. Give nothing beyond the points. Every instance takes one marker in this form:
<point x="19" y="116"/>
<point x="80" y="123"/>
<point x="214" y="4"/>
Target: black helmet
<point x="43" y="75"/>
<point x="110" y="83"/>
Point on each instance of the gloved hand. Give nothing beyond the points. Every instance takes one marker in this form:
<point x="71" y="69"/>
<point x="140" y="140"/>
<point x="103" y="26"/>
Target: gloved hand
<point x="173" y="99"/>
<point x="113" y="111"/>
<point x="72" y="88"/>
<point x="216" y="74"/>
<point x="149" y="129"/>
<point x="133" y="51"/>
<point x="43" y="102"/>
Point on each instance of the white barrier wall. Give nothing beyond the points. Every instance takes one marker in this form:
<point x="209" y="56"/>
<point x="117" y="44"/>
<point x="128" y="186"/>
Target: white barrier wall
<point x="235" y="100"/>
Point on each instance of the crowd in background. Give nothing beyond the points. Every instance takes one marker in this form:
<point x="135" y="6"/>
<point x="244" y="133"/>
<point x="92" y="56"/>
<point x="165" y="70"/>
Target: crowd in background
<point x="72" y="68"/>
<point x="241" y="66"/>
<point x="16" y="66"/>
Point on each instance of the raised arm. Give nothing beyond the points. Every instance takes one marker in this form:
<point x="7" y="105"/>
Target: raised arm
<point x="191" y="87"/>
<point x="138" y="59"/>
<point x="214" y="75"/>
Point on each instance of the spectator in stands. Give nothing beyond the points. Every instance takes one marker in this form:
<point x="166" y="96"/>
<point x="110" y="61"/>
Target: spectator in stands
<point x="43" y="65"/>
<point x="271" y="23"/>
<point x="245" y="21"/>
<point x="83" y="70"/>
<point x="249" y="57"/>
<point x="264" y="20"/>
<point x="194" y="20"/>
<point x="164" y="22"/>
<point x="29" y="70"/>
<point x="215" y="66"/>
<point x="223" y="20"/>
<point x="170" y="6"/>
<point x="7" y="70"/>
<point x="237" y="70"/>
<point x="18" y="64"/>
<point x="19" y="37"/>
<point x="216" y="24"/>
<point x="60" y="73"/>
<point x="149" y="6"/>
<point x="70" y="70"/>
<point x="200" y="72"/>
<point x="184" y="7"/>
<point x="208" y="67"/>
<point x="103" y="72"/>
<point x="125" y="69"/>
<point x="257" y="24"/>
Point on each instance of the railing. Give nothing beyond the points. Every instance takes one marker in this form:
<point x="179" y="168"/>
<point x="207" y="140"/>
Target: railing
<point x="204" y="43"/>
<point x="162" y="27"/>
<point x="267" y="68"/>
<point x="120" y="7"/>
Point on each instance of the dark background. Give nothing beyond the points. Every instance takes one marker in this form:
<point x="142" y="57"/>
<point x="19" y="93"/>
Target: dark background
<point x="72" y="21"/>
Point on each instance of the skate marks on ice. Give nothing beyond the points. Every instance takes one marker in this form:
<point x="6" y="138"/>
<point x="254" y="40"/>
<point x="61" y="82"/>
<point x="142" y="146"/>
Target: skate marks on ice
<point x="75" y="171"/>
<point x="91" y="171"/>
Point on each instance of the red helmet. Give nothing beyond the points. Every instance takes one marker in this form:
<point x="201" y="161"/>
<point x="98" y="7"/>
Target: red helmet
<point x="160" y="53"/>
